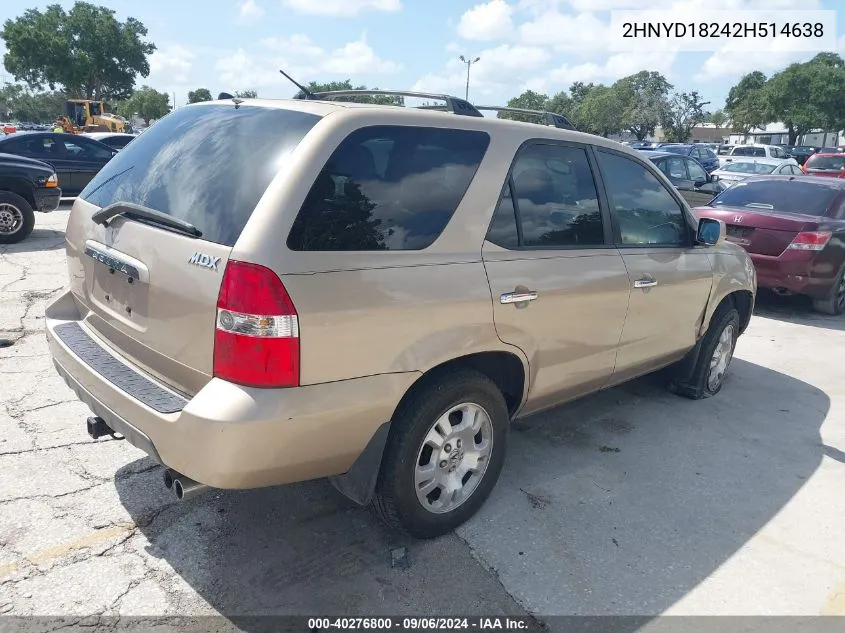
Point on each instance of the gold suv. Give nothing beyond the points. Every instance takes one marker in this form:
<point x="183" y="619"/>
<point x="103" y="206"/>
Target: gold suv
<point x="264" y="292"/>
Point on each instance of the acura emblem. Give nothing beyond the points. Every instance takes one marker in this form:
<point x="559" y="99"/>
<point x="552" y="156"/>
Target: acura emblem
<point x="737" y="219"/>
<point x="206" y="261"/>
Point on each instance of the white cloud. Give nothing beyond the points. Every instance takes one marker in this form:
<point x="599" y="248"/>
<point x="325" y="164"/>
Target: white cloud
<point x="342" y="8"/>
<point x="249" y="11"/>
<point x="297" y="44"/>
<point x="170" y="65"/>
<point x="358" y="58"/>
<point x="488" y="21"/>
<point x="566" y="32"/>
<point x="615" y="67"/>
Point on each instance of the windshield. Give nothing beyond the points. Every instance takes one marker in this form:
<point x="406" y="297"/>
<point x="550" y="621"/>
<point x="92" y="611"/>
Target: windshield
<point x="790" y="196"/>
<point x="207" y="165"/>
<point x="750" y="168"/>
<point x="675" y="149"/>
<point x="828" y="163"/>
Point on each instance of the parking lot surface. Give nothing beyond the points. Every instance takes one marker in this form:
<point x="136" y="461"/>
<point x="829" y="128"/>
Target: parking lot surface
<point x="633" y="501"/>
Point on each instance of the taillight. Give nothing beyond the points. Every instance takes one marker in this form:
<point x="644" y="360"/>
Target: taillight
<point x="810" y="241"/>
<point x="256" y="341"/>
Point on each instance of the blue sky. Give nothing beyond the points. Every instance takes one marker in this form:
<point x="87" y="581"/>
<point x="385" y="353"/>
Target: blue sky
<point x="415" y="44"/>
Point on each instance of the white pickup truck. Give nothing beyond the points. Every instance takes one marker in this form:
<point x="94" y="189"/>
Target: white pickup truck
<point x="757" y="151"/>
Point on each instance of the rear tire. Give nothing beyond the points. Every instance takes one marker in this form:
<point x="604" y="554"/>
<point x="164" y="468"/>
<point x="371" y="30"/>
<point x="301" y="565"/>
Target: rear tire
<point x="17" y="219"/>
<point x="444" y="455"/>
<point x="834" y="303"/>
<point x="714" y="358"/>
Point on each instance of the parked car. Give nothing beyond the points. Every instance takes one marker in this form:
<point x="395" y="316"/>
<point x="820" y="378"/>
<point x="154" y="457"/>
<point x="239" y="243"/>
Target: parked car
<point x="75" y="158"/>
<point x="825" y="164"/>
<point x="115" y="140"/>
<point x="641" y="144"/>
<point x="830" y="150"/>
<point x="687" y="175"/>
<point x="227" y="265"/>
<point x="794" y="229"/>
<point x="724" y="150"/>
<point x="741" y="169"/>
<point x="800" y="152"/>
<point x="753" y="151"/>
<point x="26" y="186"/>
<point x="705" y="156"/>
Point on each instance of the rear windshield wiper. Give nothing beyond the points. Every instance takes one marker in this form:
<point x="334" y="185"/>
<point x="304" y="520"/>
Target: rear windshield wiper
<point x="131" y="210"/>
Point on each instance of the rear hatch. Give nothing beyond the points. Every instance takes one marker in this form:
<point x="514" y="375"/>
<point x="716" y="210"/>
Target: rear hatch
<point x="149" y="282"/>
<point x="828" y="166"/>
<point x="764" y="216"/>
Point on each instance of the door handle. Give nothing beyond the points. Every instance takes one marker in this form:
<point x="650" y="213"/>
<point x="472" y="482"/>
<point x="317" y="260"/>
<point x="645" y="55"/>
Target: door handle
<point x="645" y="283"/>
<point x="518" y="297"/>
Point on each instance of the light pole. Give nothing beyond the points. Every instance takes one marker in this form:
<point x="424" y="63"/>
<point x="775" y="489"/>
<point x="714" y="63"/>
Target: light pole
<point x="469" y="63"/>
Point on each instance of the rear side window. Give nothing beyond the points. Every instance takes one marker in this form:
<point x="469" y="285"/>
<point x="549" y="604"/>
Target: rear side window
<point x="208" y="165"/>
<point x="749" y="151"/>
<point x="551" y="198"/>
<point x="388" y="188"/>
<point x="792" y="196"/>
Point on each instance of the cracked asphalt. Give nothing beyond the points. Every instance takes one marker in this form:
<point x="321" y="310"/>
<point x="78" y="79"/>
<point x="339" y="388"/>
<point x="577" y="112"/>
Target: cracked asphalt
<point x="632" y="501"/>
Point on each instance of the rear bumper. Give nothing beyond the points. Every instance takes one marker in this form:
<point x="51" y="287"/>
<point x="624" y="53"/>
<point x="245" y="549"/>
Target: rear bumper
<point x="227" y="435"/>
<point x="47" y="200"/>
<point x="795" y="277"/>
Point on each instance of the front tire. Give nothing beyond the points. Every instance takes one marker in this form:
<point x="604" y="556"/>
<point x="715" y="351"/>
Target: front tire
<point x="834" y="303"/>
<point x="17" y="219"/>
<point x="714" y="358"/>
<point x="444" y="455"/>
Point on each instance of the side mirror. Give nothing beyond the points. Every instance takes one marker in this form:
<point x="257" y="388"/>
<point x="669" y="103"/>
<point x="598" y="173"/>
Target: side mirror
<point x="710" y="231"/>
<point x="714" y="177"/>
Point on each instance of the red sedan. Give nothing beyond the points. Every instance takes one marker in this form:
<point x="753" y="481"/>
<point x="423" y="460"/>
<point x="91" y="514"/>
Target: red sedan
<point x="829" y="165"/>
<point x="794" y="230"/>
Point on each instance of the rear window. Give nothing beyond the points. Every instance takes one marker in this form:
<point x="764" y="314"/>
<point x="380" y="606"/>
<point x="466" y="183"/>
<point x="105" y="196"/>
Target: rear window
<point x="208" y="165"/>
<point x="676" y="149"/>
<point x="749" y="168"/>
<point x="831" y="163"/>
<point x="388" y="188"/>
<point x="748" y="151"/>
<point x="791" y="196"/>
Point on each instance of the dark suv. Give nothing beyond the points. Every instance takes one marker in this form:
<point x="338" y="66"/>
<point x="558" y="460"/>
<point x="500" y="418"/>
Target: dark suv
<point x="26" y="186"/>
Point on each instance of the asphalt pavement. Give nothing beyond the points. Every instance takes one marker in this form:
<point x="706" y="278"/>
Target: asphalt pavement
<point x="630" y="502"/>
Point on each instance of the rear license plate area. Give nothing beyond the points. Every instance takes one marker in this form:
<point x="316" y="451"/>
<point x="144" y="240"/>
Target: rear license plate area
<point x="739" y="234"/>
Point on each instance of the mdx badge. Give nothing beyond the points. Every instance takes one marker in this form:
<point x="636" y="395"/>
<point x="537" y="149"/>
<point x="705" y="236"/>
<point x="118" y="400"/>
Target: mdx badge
<point x="206" y="261"/>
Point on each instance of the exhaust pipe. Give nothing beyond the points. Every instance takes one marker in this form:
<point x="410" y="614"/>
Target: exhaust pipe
<point x="184" y="487"/>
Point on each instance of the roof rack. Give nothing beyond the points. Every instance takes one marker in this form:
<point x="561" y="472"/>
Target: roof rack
<point x="453" y="104"/>
<point x="552" y="118"/>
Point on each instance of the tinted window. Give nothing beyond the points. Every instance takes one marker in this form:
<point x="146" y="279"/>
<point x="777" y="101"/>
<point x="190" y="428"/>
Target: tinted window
<point x="207" y="164"/>
<point x="709" y="153"/>
<point x="793" y="196"/>
<point x="646" y="211"/>
<point x="749" y="151"/>
<point x="556" y="200"/>
<point x="676" y="149"/>
<point x="503" y="231"/>
<point x="749" y="168"/>
<point x="696" y="172"/>
<point x="117" y="142"/>
<point x="35" y="147"/>
<point x="674" y="168"/>
<point x="85" y="150"/>
<point x="388" y="188"/>
<point x="832" y="163"/>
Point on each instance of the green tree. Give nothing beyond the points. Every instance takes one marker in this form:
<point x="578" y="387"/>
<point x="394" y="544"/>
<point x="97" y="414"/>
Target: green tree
<point x="9" y="96"/>
<point x="146" y="103"/>
<point x="346" y="84"/>
<point x="600" y="111"/>
<point x="86" y="50"/>
<point x="528" y="100"/>
<point x="747" y="103"/>
<point x="198" y="95"/>
<point x="685" y="111"/>
<point x="561" y="103"/>
<point x="717" y="118"/>
<point x="246" y="94"/>
<point x="644" y="98"/>
<point x="810" y="95"/>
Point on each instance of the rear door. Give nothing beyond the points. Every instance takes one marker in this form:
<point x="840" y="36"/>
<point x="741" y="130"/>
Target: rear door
<point x="670" y="278"/>
<point x="560" y="289"/>
<point x="87" y="157"/>
<point x="151" y="292"/>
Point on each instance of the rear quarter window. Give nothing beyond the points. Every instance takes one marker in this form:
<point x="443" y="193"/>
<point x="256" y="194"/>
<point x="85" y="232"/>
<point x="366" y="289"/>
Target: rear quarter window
<point x="388" y="188"/>
<point x="208" y="165"/>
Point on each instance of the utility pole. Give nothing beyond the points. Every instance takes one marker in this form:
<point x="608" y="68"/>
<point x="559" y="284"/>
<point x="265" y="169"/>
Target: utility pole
<point x="469" y="62"/>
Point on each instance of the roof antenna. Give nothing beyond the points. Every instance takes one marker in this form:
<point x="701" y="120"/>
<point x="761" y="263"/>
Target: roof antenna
<point x="308" y="94"/>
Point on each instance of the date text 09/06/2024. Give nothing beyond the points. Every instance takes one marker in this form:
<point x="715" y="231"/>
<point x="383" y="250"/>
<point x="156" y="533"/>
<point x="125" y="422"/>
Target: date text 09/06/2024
<point x="722" y="30"/>
<point x="420" y="624"/>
